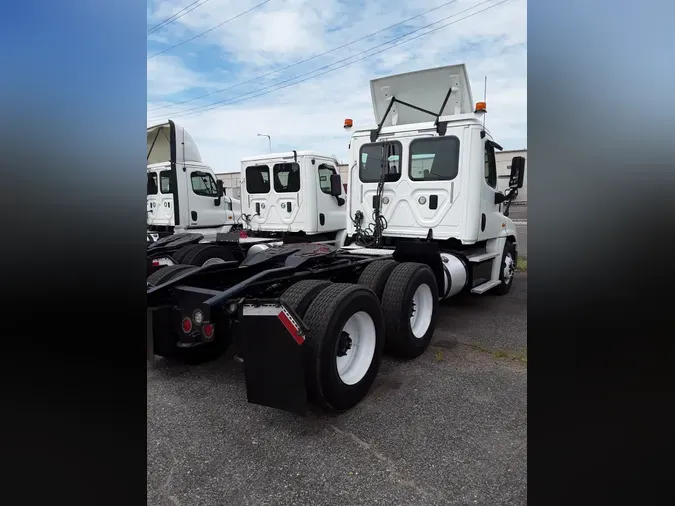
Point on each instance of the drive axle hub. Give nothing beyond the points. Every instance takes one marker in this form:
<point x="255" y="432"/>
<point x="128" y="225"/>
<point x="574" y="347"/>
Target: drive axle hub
<point x="344" y="344"/>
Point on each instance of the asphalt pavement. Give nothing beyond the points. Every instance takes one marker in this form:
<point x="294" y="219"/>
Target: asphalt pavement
<point x="447" y="428"/>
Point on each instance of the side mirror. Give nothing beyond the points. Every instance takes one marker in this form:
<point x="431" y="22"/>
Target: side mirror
<point x="220" y="192"/>
<point x="335" y="185"/>
<point x="499" y="198"/>
<point x="517" y="178"/>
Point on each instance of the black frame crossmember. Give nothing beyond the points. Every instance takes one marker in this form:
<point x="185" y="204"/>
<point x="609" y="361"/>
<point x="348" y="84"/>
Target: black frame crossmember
<point x="441" y="127"/>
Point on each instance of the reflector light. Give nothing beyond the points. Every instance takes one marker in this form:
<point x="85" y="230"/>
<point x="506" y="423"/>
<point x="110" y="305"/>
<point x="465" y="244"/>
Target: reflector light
<point x="207" y="330"/>
<point x="243" y="234"/>
<point x="155" y="263"/>
<point x="187" y="325"/>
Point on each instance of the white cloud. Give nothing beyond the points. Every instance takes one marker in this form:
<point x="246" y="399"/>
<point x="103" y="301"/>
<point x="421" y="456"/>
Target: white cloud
<point x="168" y="76"/>
<point x="310" y="115"/>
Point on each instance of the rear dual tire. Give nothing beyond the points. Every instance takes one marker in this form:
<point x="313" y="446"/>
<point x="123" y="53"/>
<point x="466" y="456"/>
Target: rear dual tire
<point x="199" y="254"/>
<point x="409" y="295"/>
<point x="344" y="342"/>
<point x="166" y="274"/>
<point x="344" y="345"/>
<point x="410" y="308"/>
<point x="347" y="326"/>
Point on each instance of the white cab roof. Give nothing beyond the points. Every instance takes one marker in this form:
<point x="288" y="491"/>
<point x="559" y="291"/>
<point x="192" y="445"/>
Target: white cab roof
<point x="424" y="88"/>
<point x="186" y="148"/>
<point x="288" y="154"/>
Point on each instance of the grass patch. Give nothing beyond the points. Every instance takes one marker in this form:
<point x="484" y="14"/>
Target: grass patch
<point x="519" y="356"/>
<point x="521" y="265"/>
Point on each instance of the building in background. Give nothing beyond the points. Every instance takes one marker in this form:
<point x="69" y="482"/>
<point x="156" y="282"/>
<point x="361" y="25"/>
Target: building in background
<point x="343" y="170"/>
<point x="232" y="183"/>
<point x="503" y="159"/>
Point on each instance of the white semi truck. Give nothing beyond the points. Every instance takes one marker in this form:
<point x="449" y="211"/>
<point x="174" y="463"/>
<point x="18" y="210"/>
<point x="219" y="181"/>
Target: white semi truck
<point x="425" y="222"/>
<point x="184" y="195"/>
<point x="427" y="172"/>
<point x="287" y="196"/>
<point x="295" y="193"/>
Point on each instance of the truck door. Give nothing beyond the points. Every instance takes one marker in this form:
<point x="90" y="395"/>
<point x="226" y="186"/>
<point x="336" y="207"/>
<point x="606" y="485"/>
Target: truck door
<point x="490" y="219"/>
<point x="331" y="216"/>
<point x="160" y="198"/>
<point x="204" y="210"/>
<point x="152" y="197"/>
<point x="286" y="201"/>
<point x="257" y="191"/>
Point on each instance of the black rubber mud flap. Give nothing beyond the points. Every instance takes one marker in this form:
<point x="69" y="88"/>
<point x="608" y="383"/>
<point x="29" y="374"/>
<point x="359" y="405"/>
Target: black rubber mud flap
<point x="272" y="337"/>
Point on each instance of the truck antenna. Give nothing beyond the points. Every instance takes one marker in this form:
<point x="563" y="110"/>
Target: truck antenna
<point x="484" y="100"/>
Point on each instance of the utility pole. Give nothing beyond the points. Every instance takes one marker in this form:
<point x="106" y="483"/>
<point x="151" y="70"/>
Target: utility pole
<point x="269" y="139"/>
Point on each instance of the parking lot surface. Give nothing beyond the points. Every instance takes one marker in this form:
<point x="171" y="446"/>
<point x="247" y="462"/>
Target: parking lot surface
<point x="447" y="428"/>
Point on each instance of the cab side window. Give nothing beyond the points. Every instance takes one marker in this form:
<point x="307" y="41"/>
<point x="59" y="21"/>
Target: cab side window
<point x="203" y="184"/>
<point x="325" y="172"/>
<point x="490" y="165"/>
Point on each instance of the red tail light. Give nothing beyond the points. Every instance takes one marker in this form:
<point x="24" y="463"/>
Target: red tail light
<point x="243" y="234"/>
<point x="208" y="330"/>
<point x="155" y="263"/>
<point x="187" y="325"/>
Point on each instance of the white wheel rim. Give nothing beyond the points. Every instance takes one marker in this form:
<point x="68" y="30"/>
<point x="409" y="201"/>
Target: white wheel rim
<point x="354" y="364"/>
<point x="508" y="268"/>
<point x="422" y="310"/>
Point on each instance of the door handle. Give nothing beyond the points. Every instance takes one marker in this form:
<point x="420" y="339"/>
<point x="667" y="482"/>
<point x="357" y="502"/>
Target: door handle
<point x="433" y="201"/>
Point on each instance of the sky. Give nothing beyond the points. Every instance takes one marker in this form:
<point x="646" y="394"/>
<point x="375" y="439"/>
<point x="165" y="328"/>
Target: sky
<point x="241" y="66"/>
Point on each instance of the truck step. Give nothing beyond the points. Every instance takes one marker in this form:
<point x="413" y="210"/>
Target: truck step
<point x="481" y="257"/>
<point x="368" y="251"/>
<point x="485" y="286"/>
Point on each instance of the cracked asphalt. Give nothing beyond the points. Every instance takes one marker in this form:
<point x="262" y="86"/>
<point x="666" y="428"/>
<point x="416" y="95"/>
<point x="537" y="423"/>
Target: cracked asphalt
<point x="447" y="428"/>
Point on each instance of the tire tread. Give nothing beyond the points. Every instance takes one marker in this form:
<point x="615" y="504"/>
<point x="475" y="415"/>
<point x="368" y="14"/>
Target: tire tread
<point x="392" y="305"/>
<point x="376" y="275"/>
<point x="165" y="274"/>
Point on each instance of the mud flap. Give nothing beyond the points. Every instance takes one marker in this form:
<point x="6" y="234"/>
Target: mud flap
<point x="158" y="330"/>
<point x="272" y="339"/>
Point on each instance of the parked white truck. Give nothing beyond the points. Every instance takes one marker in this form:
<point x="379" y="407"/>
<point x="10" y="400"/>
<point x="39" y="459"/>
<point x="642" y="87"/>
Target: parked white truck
<point x="296" y="193"/>
<point x="183" y="195"/>
<point x="425" y="222"/>
<point x="294" y="196"/>
<point x="427" y="172"/>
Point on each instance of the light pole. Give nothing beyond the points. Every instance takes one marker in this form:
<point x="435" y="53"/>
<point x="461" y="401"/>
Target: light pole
<point x="269" y="139"/>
